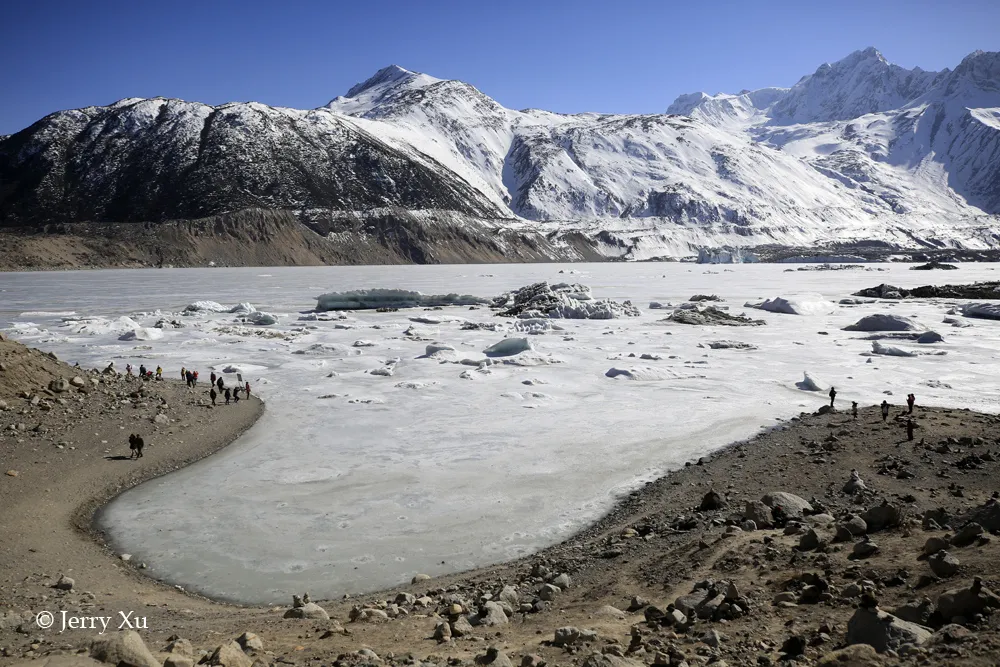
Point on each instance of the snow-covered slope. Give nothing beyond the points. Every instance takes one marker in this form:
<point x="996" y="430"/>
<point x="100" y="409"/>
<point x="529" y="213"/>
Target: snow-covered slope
<point x="860" y="150"/>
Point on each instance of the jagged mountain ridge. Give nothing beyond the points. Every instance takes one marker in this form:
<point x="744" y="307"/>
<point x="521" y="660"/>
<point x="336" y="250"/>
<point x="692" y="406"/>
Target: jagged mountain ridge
<point x="861" y="150"/>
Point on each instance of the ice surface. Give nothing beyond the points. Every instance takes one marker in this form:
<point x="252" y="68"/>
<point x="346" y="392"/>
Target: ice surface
<point x="367" y="299"/>
<point x="393" y="475"/>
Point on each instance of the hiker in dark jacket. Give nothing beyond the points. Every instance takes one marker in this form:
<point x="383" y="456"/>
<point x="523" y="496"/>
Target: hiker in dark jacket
<point x="228" y="393"/>
<point x="213" y="395"/>
<point x="833" y="395"/>
<point x="885" y="410"/>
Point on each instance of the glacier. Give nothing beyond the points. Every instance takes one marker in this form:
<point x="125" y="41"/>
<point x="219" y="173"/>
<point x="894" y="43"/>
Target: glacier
<point x="353" y="481"/>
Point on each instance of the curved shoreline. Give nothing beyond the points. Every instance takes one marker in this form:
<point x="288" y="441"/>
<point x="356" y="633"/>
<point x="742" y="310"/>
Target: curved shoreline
<point x="87" y="515"/>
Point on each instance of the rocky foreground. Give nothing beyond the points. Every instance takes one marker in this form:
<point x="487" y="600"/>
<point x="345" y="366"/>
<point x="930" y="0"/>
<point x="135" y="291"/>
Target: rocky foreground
<point x="830" y="540"/>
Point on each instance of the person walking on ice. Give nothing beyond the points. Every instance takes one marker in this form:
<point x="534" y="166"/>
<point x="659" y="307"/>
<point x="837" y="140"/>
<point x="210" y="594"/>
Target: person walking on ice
<point x="833" y="395"/>
<point x="885" y="410"/>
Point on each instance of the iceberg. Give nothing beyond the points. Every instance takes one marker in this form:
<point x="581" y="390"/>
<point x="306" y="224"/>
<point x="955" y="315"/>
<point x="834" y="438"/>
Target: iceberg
<point x="803" y="306"/>
<point x="508" y="347"/>
<point x="369" y="299"/>
<point x="883" y="322"/>
<point x="562" y="300"/>
<point x="987" y="311"/>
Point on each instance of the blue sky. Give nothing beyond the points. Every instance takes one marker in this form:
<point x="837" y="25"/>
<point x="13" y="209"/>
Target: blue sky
<point x="610" y="56"/>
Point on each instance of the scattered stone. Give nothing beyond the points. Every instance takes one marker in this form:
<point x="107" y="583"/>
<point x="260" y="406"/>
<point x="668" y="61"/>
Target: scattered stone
<point x="490" y="614"/>
<point x="417" y="578"/>
<point x="809" y="540"/>
<point x="64" y="583"/>
<point x="461" y="627"/>
<point x="548" y="592"/>
<point x="758" y="512"/>
<point x="563" y="581"/>
<point x="442" y="631"/>
<point x="864" y="548"/>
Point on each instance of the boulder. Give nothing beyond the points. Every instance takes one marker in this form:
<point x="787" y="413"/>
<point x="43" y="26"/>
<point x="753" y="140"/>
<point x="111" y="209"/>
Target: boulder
<point x="882" y="516"/>
<point x="934" y="545"/>
<point x="608" y="660"/>
<point x="758" y="512"/>
<point x="461" y="627"/>
<point x="510" y="595"/>
<point x="490" y="615"/>
<point x="794" y="506"/>
<point x="967" y="534"/>
<point x="60" y="385"/>
<point x="569" y="635"/>
<point x="967" y="602"/>
<point x="809" y="540"/>
<point x="78" y="381"/>
<point x="442" y="631"/>
<point x="125" y="649"/>
<point x="854" y="484"/>
<point x="178" y="661"/>
<point x="180" y="646"/>
<point x="494" y="657"/>
<point x="943" y="564"/>
<point x="563" y="581"/>
<point x="250" y="641"/>
<point x="548" y="592"/>
<point x="309" y="610"/>
<point x="417" y="578"/>
<point x="711" y="501"/>
<point x="883" y="631"/>
<point x="64" y="583"/>
<point x="230" y="655"/>
<point x="859" y="655"/>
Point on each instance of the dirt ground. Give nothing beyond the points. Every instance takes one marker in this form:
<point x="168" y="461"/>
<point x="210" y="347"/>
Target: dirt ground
<point x="672" y="576"/>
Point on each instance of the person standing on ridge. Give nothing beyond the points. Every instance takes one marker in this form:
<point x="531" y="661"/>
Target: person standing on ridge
<point x="854" y="409"/>
<point x="248" y="389"/>
<point x="183" y="373"/>
<point x="910" y="400"/>
<point x="833" y="395"/>
<point x="885" y="410"/>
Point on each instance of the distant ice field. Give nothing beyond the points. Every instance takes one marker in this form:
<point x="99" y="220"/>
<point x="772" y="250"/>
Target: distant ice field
<point x="354" y="481"/>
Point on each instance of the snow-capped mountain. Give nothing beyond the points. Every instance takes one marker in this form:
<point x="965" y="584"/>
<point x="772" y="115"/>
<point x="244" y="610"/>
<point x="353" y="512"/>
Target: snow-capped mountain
<point x="859" y="151"/>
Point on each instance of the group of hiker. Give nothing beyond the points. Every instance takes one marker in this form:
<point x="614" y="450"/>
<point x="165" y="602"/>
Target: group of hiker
<point x="217" y="388"/>
<point x="144" y="373"/>
<point x="911" y="400"/>
<point x="229" y="393"/>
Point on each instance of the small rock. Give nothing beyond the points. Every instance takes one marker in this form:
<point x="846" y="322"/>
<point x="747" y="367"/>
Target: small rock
<point x="250" y="641"/>
<point x="64" y="583"/>
<point x="125" y="649"/>
<point x="309" y="610"/>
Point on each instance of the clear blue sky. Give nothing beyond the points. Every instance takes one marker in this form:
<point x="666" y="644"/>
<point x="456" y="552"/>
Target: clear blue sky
<point x="611" y="56"/>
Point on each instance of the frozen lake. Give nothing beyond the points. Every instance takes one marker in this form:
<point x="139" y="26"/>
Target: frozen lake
<point x="352" y="481"/>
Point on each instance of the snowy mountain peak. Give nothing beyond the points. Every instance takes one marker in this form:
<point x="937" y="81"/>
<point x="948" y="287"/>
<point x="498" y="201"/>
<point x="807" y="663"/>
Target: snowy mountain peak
<point x="387" y="75"/>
